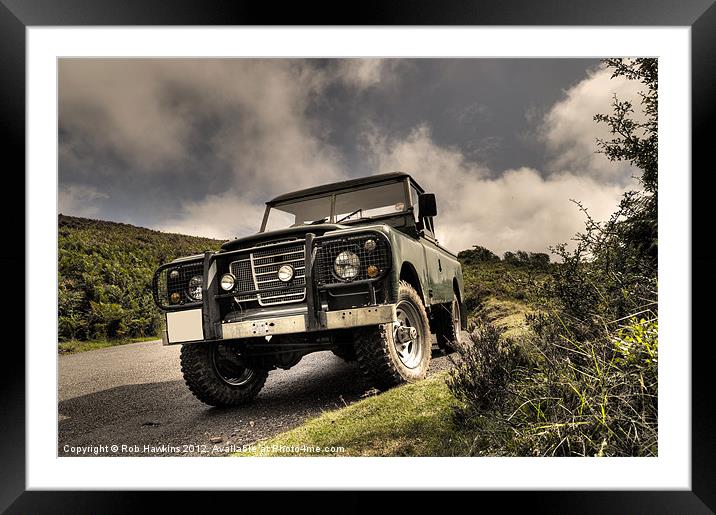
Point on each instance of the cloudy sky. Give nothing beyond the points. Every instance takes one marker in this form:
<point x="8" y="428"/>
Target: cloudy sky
<point x="197" y="146"/>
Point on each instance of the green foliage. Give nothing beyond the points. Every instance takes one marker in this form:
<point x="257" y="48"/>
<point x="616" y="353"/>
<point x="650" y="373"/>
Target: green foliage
<point x="488" y="363"/>
<point x="411" y="420"/>
<point x="477" y="254"/>
<point x="105" y="276"/>
<point x="76" y="346"/>
<point x="636" y="140"/>
<point x="480" y="255"/>
<point x="535" y="260"/>
<point x="583" y="380"/>
<point x="638" y="343"/>
<point x="486" y="276"/>
<point x="550" y="395"/>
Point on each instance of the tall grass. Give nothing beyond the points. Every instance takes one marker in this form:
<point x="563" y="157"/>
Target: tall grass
<point x="548" y="394"/>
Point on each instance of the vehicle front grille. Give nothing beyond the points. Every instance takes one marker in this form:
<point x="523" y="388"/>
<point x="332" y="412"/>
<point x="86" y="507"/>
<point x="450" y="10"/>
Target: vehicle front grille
<point x="258" y="270"/>
<point x="241" y="270"/>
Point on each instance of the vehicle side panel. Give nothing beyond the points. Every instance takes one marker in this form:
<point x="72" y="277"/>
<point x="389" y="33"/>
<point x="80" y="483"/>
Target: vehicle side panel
<point x="408" y="250"/>
<point x="438" y="273"/>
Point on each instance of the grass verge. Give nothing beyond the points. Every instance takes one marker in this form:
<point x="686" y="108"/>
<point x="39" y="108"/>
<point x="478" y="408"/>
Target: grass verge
<point x="75" y="346"/>
<point x="411" y="420"/>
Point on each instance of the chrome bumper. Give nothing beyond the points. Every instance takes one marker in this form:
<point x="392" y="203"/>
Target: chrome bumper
<point x="289" y="324"/>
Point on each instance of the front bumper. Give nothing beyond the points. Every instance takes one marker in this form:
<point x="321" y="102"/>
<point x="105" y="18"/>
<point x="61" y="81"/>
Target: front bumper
<point x="186" y="326"/>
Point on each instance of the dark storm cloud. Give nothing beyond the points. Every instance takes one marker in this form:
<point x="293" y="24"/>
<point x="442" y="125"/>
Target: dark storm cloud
<point x="478" y="105"/>
<point x="196" y="146"/>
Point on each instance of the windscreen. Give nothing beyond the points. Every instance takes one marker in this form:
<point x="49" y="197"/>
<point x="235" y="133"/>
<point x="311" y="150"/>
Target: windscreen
<point x="369" y="202"/>
<point x="350" y="206"/>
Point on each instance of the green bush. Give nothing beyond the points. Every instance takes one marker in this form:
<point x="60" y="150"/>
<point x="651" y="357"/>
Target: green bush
<point x="487" y="364"/>
<point x="105" y="274"/>
<point x="477" y="254"/>
<point x="554" y="396"/>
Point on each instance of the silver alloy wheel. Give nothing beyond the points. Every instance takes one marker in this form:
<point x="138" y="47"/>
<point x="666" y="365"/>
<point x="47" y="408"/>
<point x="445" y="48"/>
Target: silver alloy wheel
<point x="408" y="335"/>
<point x="228" y="370"/>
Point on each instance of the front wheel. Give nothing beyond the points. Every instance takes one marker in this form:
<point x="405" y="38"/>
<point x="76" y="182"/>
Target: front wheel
<point x="216" y="375"/>
<point x="390" y="354"/>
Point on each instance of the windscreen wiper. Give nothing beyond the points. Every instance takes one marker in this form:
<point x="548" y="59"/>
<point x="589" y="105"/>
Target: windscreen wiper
<point x="359" y="210"/>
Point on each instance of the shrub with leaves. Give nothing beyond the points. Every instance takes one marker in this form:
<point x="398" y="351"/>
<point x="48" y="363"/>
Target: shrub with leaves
<point x="550" y="395"/>
<point x="487" y="365"/>
<point x="105" y="273"/>
<point x="586" y="383"/>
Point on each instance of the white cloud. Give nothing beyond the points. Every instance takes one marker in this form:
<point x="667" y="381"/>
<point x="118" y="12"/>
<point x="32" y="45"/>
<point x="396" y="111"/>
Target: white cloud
<point x="365" y="73"/>
<point x="223" y="216"/>
<point x="132" y="107"/>
<point x="146" y="111"/>
<point x="519" y="210"/>
<point x="79" y="200"/>
<point x="570" y="133"/>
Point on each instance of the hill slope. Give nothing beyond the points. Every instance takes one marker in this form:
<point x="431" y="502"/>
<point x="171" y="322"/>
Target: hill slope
<point x="105" y="274"/>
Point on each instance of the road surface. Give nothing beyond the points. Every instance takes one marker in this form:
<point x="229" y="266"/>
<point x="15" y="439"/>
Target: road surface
<point x="134" y="397"/>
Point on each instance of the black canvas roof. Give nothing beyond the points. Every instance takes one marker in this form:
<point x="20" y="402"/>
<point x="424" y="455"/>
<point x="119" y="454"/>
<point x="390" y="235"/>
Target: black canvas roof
<point x="343" y="185"/>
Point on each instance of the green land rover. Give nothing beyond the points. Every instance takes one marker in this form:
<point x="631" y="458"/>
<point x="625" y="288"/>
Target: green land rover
<point x="352" y="267"/>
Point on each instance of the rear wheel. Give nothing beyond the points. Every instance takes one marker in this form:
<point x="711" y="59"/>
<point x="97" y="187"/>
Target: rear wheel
<point x="390" y="354"/>
<point x="216" y="375"/>
<point x="449" y="325"/>
<point x="346" y="352"/>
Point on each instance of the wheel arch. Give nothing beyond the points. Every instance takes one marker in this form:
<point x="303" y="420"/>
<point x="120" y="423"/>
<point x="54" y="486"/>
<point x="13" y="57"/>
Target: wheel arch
<point x="409" y="274"/>
<point x="456" y="290"/>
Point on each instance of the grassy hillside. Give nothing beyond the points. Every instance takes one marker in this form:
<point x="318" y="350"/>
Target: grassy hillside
<point x="519" y="276"/>
<point x="105" y="273"/>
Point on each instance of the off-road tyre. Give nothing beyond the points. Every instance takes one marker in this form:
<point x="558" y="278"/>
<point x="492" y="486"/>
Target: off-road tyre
<point x="448" y="325"/>
<point x="376" y="352"/>
<point x="198" y="365"/>
<point x="346" y="352"/>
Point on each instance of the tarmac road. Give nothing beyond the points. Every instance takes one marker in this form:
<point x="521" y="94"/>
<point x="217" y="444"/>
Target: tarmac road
<point x="134" y="396"/>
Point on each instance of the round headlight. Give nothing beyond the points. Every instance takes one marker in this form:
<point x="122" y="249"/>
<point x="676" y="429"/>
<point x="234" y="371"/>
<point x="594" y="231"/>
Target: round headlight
<point x="194" y="290"/>
<point x="285" y="273"/>
<point x="174" y="275"/>
<point x="227" y="282"/>
<point x="347" y="265"/>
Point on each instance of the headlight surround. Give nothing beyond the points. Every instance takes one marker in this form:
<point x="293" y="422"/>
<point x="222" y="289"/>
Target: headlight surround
<point x="194" y="287"/>
<point x="370" y="245"/>
<point x="347" y="265"/>
<point x="227" y="282"/>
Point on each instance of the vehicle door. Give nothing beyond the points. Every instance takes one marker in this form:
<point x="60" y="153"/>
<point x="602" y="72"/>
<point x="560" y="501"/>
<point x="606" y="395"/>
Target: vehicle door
<point x="440" y="284"/>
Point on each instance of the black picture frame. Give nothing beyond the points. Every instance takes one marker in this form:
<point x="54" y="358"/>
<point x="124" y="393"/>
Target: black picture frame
<point x="699" y="15"/>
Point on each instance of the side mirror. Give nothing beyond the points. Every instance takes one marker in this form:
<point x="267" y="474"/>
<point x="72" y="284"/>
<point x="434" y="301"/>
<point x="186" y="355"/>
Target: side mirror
<point x="427" y="205"/>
